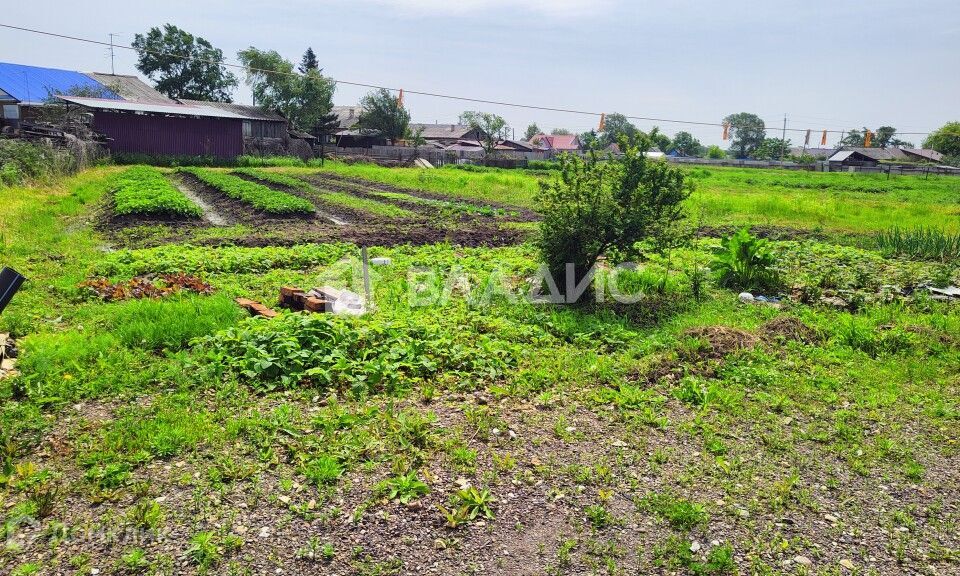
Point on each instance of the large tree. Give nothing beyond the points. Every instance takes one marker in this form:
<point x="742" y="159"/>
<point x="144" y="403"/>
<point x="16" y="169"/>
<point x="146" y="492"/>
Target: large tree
<point x="771" y="149"/>
<point x="946" y="140"/>
<point x="183" y="66"/>
<point x="615" y="126"/>
<point x="532" y="130"/>
<point x="383" y="112"/>
<point x="303" y="98"/>
<point x="560" y="132"/>
<point x="685" y="144"/>
<point x="748" y="132"/>
<point x="492" y="128"/>
<point x="308" y="62"/>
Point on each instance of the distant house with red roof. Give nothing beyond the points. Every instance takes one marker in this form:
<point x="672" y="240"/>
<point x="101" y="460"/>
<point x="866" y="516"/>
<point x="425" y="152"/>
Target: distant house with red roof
<point x="558" y="142"/>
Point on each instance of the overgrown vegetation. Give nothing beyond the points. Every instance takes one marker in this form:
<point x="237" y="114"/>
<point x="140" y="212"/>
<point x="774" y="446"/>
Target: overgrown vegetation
<point x="920" y="244"/>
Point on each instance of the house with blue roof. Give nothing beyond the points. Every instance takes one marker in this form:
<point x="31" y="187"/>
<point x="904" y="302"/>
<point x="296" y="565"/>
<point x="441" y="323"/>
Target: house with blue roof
<point x="25" y="87"/>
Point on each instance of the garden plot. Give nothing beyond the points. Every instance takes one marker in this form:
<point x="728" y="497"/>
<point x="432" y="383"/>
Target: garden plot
<point x="144" y="192"/>
<point x="250" y="199"/>
<point x="422" y="199"/>
<point x="354" y="207"/>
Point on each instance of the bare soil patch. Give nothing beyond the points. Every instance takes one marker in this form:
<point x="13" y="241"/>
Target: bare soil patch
<point x="722" y="340"/>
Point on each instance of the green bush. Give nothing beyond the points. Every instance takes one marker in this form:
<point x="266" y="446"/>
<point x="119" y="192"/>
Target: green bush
<point x="22" y="161"/>
<point x="595" y="206"/>
<point x="145" y="190"/>
<point x="745" y="262"/>
<point x="257" y="195"/>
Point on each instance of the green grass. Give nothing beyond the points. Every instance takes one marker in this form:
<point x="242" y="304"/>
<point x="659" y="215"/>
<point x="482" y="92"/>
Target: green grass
<point x="462" y="395"/>
<point x="840" y="202"/>
<point x="145" y="190"/>
<point x="256" y="195"/>
<point x="920" y="244"/>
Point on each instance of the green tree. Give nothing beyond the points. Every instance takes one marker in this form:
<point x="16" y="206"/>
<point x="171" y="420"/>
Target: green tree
<point x="715" y="152"/>
<point x="596" y="205"/>
<point x="591" y="140"/>
<point x="560" y="132"/>
<point x="383" y="112"/>
<point x="492" y="128"/>
<point x="883" y="137"/>
<point x="532" y="130"/>
<point x="416" y="140"/>
<point x="855" y="138"/>
<point x="183" y="66"/>
<point x="617" y="126"/>
<point x="748" y="132"/>
<point x="660" y="140"/>
<point x="305" y="99"/>
<point x="771" y="149"/>
<point x="946" y="140"/>
<point x="686" y="145"/>
<point x="308" y="62"/>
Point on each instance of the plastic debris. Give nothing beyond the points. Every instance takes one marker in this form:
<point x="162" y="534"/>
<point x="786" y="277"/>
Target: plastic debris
<point x="381" y="261"/>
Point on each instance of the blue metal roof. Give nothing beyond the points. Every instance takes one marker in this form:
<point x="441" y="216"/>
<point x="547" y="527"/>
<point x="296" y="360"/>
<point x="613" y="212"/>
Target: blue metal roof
<point x="32" y="84"/>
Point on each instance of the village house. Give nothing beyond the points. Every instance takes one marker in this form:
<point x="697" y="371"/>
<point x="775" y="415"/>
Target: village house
<point x="446" y="134"/>
<point x="557" y="142"/>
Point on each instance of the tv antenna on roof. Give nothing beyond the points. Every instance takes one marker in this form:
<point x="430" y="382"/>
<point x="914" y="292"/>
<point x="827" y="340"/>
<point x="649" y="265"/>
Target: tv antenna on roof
<point x="112" y="72"/>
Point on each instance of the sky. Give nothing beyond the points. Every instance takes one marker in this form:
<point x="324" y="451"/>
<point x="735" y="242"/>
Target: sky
<point x="836" y="64"/>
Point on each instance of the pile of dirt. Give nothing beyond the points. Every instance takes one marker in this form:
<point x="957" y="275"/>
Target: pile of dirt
<point x="146" y="287"/>
<point x="788" y="328"/>
<point x="721" y="340"/>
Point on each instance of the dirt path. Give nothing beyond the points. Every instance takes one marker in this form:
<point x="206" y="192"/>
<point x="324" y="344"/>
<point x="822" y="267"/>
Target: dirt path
<point x="209" y="212"/>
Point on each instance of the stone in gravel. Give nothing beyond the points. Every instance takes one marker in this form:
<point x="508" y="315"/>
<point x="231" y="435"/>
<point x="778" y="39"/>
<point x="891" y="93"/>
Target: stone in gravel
<point x="284" y="498"/>
<point x="802" y="560"/>
<point x="695" y="546"/>
<point x="847" y="564"/>
<point x="264" y="532"/>
<point x="831" y="518"/>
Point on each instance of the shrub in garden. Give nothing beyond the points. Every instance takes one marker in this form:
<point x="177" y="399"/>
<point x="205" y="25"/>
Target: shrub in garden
<point x="597" y="205"/>
<point x="745" y="262"/>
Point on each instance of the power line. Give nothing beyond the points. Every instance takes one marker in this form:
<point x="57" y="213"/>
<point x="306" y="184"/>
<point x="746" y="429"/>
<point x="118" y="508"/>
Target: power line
<point x="406" y="91"/>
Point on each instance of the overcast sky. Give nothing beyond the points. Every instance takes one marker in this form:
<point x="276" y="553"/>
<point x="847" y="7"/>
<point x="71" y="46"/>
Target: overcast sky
<point x="827" y="64"/>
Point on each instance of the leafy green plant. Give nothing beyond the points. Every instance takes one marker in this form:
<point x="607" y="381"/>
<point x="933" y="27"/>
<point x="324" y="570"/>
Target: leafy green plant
<point x="204" y="550"/>
<point x="745" y="262"/>
<point x="476" y="501"/>
<point x="598" y="516"/>
<point x="134" y="562"/>
<point x="322" y="470"/>
<point x="257" y="195"/>
<point x="680" y="513"/>
<point x="145" y="190"/>
<point x="405" y="488"/>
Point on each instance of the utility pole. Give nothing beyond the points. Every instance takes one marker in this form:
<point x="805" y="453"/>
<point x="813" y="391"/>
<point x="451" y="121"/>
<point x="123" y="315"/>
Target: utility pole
<point x="783" y="138"/>
<point x="112" y="71"/>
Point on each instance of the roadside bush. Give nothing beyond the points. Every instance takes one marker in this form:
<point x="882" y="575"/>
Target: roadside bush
<point x="745" y="262"/>
<point x="257" y="195"/>
<point x="594" y="206"/>
<point x="145" y="190"/>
